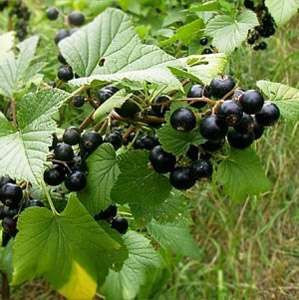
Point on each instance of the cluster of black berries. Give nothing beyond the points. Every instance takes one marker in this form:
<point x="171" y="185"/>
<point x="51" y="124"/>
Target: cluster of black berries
<point x="204" y="41"/>
<point x="266" y="28"/>
<point x="3" y="4"/>
<point x="110" y="215"/>
<point x="22" y="13"/>
<point x="12" y="202"/>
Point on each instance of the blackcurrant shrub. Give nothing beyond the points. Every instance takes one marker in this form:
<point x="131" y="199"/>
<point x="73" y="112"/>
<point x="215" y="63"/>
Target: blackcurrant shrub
<point x="197" y="91"/>
<point x="231" y="112"/>
<point x="10" y="226"/>
<point x="54" y="175"/>
<point x="78" y="101"/>
<point x="204" y="41"/>
<point x="251" y="101"/>
<point x="65" y="73"/>
<point x="213" y="145"/>
<point x="268" y="115"/>
<point x="120" y="224"/>
<point x="201" y="169"/>
<point x="107" y="214"/>
<point x="258" y="130"/>
<point x="106" y="92"/>
<point x="61" y="34"/>
<point x="161" y="105"/>
<point x="71" y="136"/>
<point x="128" y="110"/>
<point x="6" y="179"/>
<point x="90" y="141"/>
<point x="78" y="164"/>
<point x="61" y="59"/>
<point x="207" y="51"/>
<point x="63" y="152"/>
<point x="193" y="152"/>
<point x="52" y="13"/>
<point x="75" y="181"/>
<point x="219" y="87"/>
<point x="76" y="18"/>
<point x="162" y="161"/>
<point x="239" y="140"/>
<point x="115" y="139"/>
<point x="11" y="194"/>
<point x="213" y="128"/>
<point x="249" y="4"/>
<point x="182" y="178"/>
<point x="146" y="142"/>
<point x="246" y="124"/>
<point x="183" y="119"/>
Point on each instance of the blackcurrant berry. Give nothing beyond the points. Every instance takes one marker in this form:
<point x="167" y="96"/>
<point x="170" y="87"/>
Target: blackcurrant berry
<point x="106" y="92"/>
<point x="204" y="41"/>
<point x="268" y="115"/>
<point x="75" y="181"/>
<point x="76" y="18"/>
<point x="219" y="87"/>
<point x="78" y="164"/>
<point x="249" y="4"/>
<point x="120" y="224"/>
<point x="115" y="139"/>
<point x="193" y="152"/>
<point x="5" y="238"/>
<point x="201" y="169"/>
<point x="11" y="194"/>
<point x="213" y="128"/>
<point x="55" y="175"/>
<point x="10" y="226"/>
<point x="262" y="45"/>
<point x="65" y="73"/>
<point x="107" y="214"/>
<point x="237" y="94"/>
<point x="239" y="140"/>
<point x="52" y="13"/>
<point x="161" y="160"/>
<point x="6" y="179"/>
<point x="161" y="105"/>
<point x="90" y="141"/>
<point x="231" y="112"/>
<point x="128" y="110"/>
<point x="10" y="212"/>
<point x="258" y="130"/>
<point x="64" y="152"/>
<point x="207" y="51"/>
<point x="246" y="124"/>
<point x="181" y="178"/>
<point x="213" y="145"/>
<point x="61" y="59"/>
<point x="61" y="34"/>
<point x="146" y="142"/>
<point x="197" y="91"/>
<point x="72" y="136"/>
<point x="78" y="101"/>
<point x="183" y="119"/>
<point x="251" y="101"/>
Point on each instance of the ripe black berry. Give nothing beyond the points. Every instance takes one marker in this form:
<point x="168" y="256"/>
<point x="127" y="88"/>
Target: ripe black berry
<point x="231" y="112"/>
<point x="90" y="141"/>
<point x="65" y="73"/>
<point x="78" y="164"/>
<point x="161" y="105"/>
<point x="55" y="175"/>
<point x="120" y="224"/>
<point x="115" y="139"/>
<point x="251" y="101"/>
<point x="197" y="91"/>
<point x="162" y="161"/>
<point x="204" y="41"/>
<point x="213" y="145"/>
<point x="207" y="51"/>
<point x="258" y="130"/>
<point x="64" y="152"/>
<point x="262" y="45"/>
<point x="201" y="169"/>
<point x="61" y="34"/>
<point x="246" y="124"/>
<point x="146" y="142"/>
<point x="75" y="181"/>
<point x="76" y="18"/>
<point x="78" y="101"/>
<point x="239" y="140"/>
<point x="10" y="226"/>
<point x="52" y="13"/>
<point x="183" y="119"/>
<point x="11" y="194"/>
<point x="61" y="59"/>
<point x="181" y="178"/>
<point x="268" y="115"/>
<point x="107" y="214"/>
<point x="237" y="94"/>
<point x="106" y="92"/>
<point x="193" y="152"/>
<point x="249" y="4"/>
<point x="71" y="136"/>
<point x="6" y="179"/>
<point x="213" y="128"/>
<point x="219" y="87"/>
<point x="128" y="110"/>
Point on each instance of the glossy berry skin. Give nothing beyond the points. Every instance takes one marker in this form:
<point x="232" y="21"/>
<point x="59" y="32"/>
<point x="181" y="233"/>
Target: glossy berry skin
<point x="107" y="214"/>
<point x="268" y="115"/>
<point x="146" y="142"/>
<point x="213" y="145"/>
<point x="6" y="179"/>
<point x="258" y="130"/>
<point x="106" y="92"/>
<point x="193" y="152"/>
<point x="181" y="178"/>
<point x="55" y="175"/>
<point x="61" y="59"/>
<point x="213" y="128"/>
<point x="238" y="140"/>
<point x="10" y="226"/>
<point x="78" y="101"/>
<point x="207" y="51"/>
<point x="251" y="101"/>
<point x="219" y="87"/>
<point x="262" y="45"/>
<point x="11" y="194"/>
<point x="64" y="152"/>
<point x="201" y="169"/>
<point x="231" y="112"/>
<point x="76" y="18"/>
<point x="75" y="181"/>
<point x="90" y="141"/>
<point x="120" y="224"/>
<point x="61" y="34"/>
<point x="78" y="164"/>
<point x="197" y="91"/>
<point x="246" y="124"/>
<point x="52" y="13"/>
<point x="183" y="119"/>
<point x="249" y="4"/>
<point x="162" y="161"/>
<point x="204" y="41"/>
<point x="115" y="139"/>
<point x="65" y="73"/>
<point x="128" y="110"/>
<point x="71" y="136"/>
<point x="161" y="105"/>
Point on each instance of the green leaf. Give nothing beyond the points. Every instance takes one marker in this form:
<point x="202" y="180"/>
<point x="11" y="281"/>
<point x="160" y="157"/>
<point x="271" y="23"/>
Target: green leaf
<point x="102" y="174"/>
<point x="13" y="70"/>
<point x="229" y="33"/>
<point x="125" y="284"/>
<point x="176" y="237"/>
<point x="207" y="6"/>
<point x="6" y="264"/>
<point x="242" y="175"/>
<point x="56" y="246"/>
<point x="117" y="100"/>
<point x="138" y="182"/>
<point x="286" y="98"/>
<point x="23" y="150"/>
<point x="6" y="42"/>
<point x="282" y="10"/>
<point x="111" y="41"/>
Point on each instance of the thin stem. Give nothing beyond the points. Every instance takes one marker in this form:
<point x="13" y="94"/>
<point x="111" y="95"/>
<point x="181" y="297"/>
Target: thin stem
<point x="45" y="189"/>
<point x="14" y="112"/>
<point x="5" y="292"/>
<point x="88" y="120"/>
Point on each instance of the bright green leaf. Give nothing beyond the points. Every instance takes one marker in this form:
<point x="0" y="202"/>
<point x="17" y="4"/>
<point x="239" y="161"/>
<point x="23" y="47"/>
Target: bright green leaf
<point x="6" y="42"/>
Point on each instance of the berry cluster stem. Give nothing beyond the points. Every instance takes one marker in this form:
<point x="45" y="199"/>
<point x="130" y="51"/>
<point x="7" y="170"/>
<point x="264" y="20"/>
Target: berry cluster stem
<point x="14" y="111"/>
<point x="5" y="291"/>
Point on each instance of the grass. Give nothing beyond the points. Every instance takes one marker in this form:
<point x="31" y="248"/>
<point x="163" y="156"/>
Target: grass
<point x="251" y="249"/>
